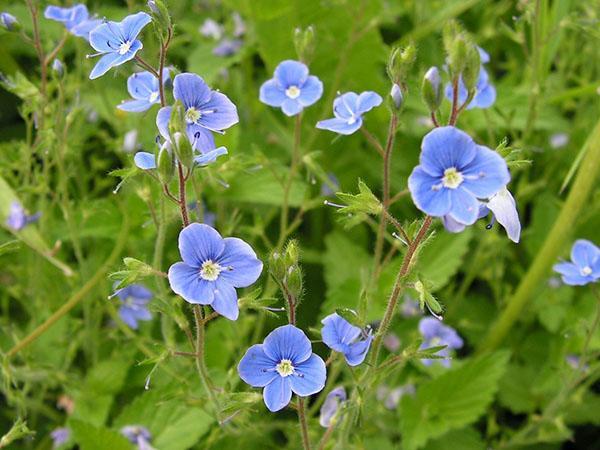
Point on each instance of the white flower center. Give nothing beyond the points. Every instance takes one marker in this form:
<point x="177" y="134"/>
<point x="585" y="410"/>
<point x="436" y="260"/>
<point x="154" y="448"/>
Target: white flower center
<point x="351" y="120"/>
<point x="292" y="92"/>
<point x="192" y="115"/>
<point x="124" y="47"/>
<point x="153" y="97"/>
<point x="285" y="368"/>
<point x="210" y="270"/>
<point x="587" y="270"/>
<point x="452" y="178"/>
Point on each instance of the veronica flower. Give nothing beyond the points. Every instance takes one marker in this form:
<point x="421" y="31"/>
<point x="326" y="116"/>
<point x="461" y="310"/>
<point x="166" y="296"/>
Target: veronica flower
<point x="348" y="109"/>
<point x="17" y="217"/>
<point x="60" y="436"/>
<point x="341" y="336"/>
<point x="558" y="140"/>
<point x="144" y="88"/>
<point x="130" y="141"/>
<point x="134" y="304"/>
<point x="485" y="93"/>
<point x="239" y="26"/>
<point x="453" y="173"/>
<point x="292" y="89"/>
<point x="331" y="406"/>
<point x="76" y="19"/>
<point x="212" y="269"/>
<point x="138" y="435"/>
<point x="435" y="333"/>
<point x="391" y="342"/>
<point x="410" y="307"/>
<point x="212" y="29"/>
<point x="391" y="397"/>
<point x="117" y="42"/>
<point x="227" y="47"/>
<point x="585" y="265"/>
<point x="282" y="364"/>
<point x="8" y="21"/>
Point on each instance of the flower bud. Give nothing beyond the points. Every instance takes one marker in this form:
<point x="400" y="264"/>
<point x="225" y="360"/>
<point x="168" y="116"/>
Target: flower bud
<point x="183" y="149"/>
<point x="304" y="42"/>
<point x="277" y="266"/>
<point x="397" y="98"/>
<point x="293" y="281"/>
<point x="58" y="68"/>
<point x="470" y="73"/>
<point x="165" y="163"/>
<point x="160" y="15"/>
<point x="400" y="63"/>
<point x="292" y="253"/>
<point x="432" y="89"/>
<point x="9" y="22"/>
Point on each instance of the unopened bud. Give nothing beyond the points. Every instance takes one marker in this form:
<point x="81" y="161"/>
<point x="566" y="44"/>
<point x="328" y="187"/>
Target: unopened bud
<point x="400" y="63"/>
<point x="165" y="163"/>
<point x="9" y="22"/>
<point x="160" y="15"/>
<point x="58" y="68"/>
<point x="397" y="98"/>
<point x="293" y="281"/>
<point x="304" y="42"/>
<point x="183" y="150"/>
<point x="432" y="89"/>
<point x="292" y="253"/>
<point x="277" y="266"/>
<point x="470" y="73"/>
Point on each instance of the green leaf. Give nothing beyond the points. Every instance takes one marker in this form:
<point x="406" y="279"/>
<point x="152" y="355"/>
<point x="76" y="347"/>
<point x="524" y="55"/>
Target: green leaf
<point x="90" y="437"/>
<point x="451" y="401"/>
<point x="464" y="439"/>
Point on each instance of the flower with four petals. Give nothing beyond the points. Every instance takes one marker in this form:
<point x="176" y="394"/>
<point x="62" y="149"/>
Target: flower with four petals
<point x="341" y="336"/>
<point x="348" y="110"/>
<point x="585" y="265"/>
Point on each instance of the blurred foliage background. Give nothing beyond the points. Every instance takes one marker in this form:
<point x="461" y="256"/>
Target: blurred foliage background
<point x="88" y="371"/>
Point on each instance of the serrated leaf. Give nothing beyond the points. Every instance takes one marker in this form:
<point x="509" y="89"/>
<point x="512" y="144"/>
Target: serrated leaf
<point x="453" y="400"/>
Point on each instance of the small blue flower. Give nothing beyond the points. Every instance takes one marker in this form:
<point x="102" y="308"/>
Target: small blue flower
<point x="76" y="19"/>
<point x="348" y="109"/>
<point x="227" y="47"/>
<point x="391" y="397"/>
<point x="585" y="265"/>
<point x="213" y="268"/>
<point x="138" y="435"/>
<point x="282" y="364"/>
<point x="8" y="21"/>
<point x="341" y="336"/>
<point x="410" y="307"/>
<point x="60" y="436"/>
<point x="134" y="304"/>
<point x="331" y="406"/>
<point x="485" y="93"/>
<point x="453" y="173"/>
<point x="212" y="29"/>
<point x="117" y="42"/>
<point x="144" y="88"/>
<point x="435" y="333"/>
<point x="17" y="218"/>
<point x="292" y="89"/>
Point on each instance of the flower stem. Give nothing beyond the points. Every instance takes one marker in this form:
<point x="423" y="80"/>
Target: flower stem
<point x="182" y="197"/>
<point x="161" y="65"/>
<point x="200" y="363"/>
<point x="583" y="185"/>
<point x="303" y="425"/>
<point x="454" y="113"/>
<point x="296" y="157"/>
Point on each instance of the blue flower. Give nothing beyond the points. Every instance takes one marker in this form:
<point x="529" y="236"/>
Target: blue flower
<point x="17" y="218"/>
<point x="291" y="88"/>
<point x="453" y="173"/>
<point x="341" y="336"/>
<point x="117" y="42"/>
<point x="144" y="88"/>
<point x="76" y="19"/>
<point x="227" y="47"/>
<point x="435" y="333"/>
<point x="134" y="304"/>
<point x="206" y="111"/>
<point x="348" y="109"/>
<point x="485" y="93"/>
<point x="8" y="21"/>
<point x="213" y="268"/>
<point x="60" y="436"/>
<point x="391" y="397"/>
<point x="585" y="265"/>
<point x="282" y="364"/>
<point x="410" y="307"/>
<point x="331" y="406"/>
<point x="138" y="435"/>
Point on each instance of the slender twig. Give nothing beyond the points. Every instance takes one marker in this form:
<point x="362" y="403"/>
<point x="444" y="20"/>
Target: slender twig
<point x="283" y="225"/>
<point x="391" y="219"/>
<point x="398" y="196"/>
<point x="57" y="49"/>
<point x="373" y="140"/>
<point x="303" y="425"/>
<point x="200" y="363"/>
<point x="146" y="66"/>
<point x="434" y="119"/>
<point x="454" y="112"/>
<point x="169" y="195"/>
<point x="182" y="198"/>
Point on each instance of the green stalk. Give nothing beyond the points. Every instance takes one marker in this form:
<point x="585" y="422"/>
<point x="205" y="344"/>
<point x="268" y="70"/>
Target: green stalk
<point x="586" y="180"/>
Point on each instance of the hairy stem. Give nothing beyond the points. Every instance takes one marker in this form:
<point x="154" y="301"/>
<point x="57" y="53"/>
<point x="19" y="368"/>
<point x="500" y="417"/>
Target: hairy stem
<point x="200" y="363"/>
<point x="296" y="157"/>
<point x="182" y="196"/>
<point x="303" y="425"/>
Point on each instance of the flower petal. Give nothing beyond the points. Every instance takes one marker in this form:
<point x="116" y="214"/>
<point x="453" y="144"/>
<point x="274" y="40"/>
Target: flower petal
<point x="452" y="225"/>
<point x="145" y="160"/>
<point x="128" y="317"/>
<point x="311" y="91"/>
<point x="484" y="98"/>
<point x="243" y="266"/>
<point x="224" y="115"/>
<point x="135" y="106"/>
<point x="340" y="126"/>
<point x="288" y="342"/>
<point x="103" y="38"/>
<point x="210" y="157"/>
<point x="446" y="147"/>
<point x="345" y="105"/>
<point x="131" y="25"/>
<point x="291" y="107"/>
<point x="338" y="333"/>
<point x="272" y="94"/>
<point x="256" y="368"/>
<point x="309" y="377"/>
<point x="504" y="209"/>
<point x="141" y="85"/>
<point x="464" y="206"/>
<point x="162" y="122"/>
<point x="186" y="282"/>
<point x="225" y="300"/>
<point x="367" y="101"/>
<point x="84" y="28"/>
<point x="104" y="64"/>
<point x="584" y="253"/>
<point x="357" y="351"/>
<point x="571" y="274"/>
<point x="191" y="90"/>
<point x="201" y="138"/>
<point x="291" y="73"/>
<point x="486" y="174"/>
<point x="277" y="394"/>
<point x="198" y="243"/>
<point x="427" y="194"/>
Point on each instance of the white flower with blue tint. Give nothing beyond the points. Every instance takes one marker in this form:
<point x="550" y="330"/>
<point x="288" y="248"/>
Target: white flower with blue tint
<point x="117" y="42"/>
<point x="8" y="21"/>
<point x="435" y="333"/>
<point x="341" y="336"/>
<point x="348" y="110"/>
<point x="212" y="269"/>
<point x="331" y="406"/>
<point x="138" y="435"/>
<point x="17" y="217"/>
<point x="145" y="90"/>
<point x="585" y="265"/>
<point x="292" y="88"/>
<point x="60" y="436"/>
<point x="455" y="172"/>
<point x="282" y="364"/>
<point x="134" y="304"/>
<point x="485" y="92"/>
<point x="76" y="19"/>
